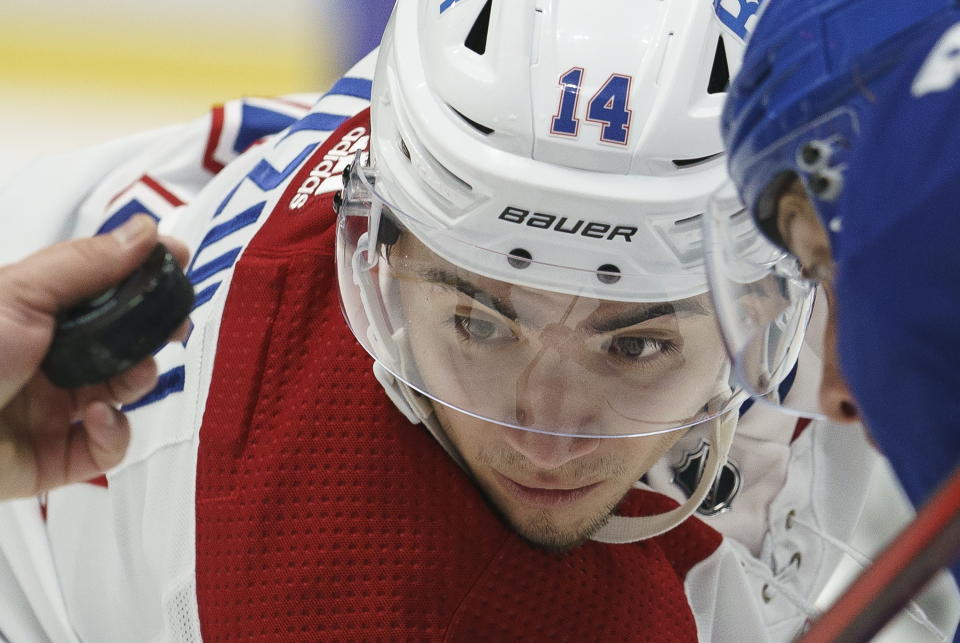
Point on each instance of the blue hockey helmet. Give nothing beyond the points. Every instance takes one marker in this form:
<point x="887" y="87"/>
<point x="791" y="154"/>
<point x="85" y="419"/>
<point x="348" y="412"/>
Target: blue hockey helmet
<point x="811" y="70"/>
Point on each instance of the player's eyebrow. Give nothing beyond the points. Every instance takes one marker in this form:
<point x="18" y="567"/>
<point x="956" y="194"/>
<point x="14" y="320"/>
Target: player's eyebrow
<point x="646" y="312"/>
<point x="468" y="288"/>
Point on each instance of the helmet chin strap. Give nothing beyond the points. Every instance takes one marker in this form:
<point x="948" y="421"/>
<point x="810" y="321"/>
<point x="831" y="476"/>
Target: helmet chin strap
<point x="400" y="394"/>
<point x="625" y="529"/>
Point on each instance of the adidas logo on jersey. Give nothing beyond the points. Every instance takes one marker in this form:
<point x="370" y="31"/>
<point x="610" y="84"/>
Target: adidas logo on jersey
<point x="331" y="165"/>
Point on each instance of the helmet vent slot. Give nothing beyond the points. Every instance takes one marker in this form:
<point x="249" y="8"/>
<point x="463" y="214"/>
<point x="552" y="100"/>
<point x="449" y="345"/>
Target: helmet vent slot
<point x="685" y="163"/>
<point x="720" y="74"/>
<point x="483" y="129"/>
<point x="477" y="38"/>
<point x="692" y="219"/>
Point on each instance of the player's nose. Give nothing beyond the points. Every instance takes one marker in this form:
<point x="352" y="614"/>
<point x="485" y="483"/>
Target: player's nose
<point x="547" y="452"/>
<point x="557" y="393"/>
<point x="836" y="400"/>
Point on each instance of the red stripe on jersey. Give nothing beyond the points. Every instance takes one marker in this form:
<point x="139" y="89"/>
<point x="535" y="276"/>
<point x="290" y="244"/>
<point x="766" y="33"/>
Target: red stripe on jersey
<point x="154" y="185"/>
<point x="213" y="140"/>
<point x="929" y="543"/>
<point x="167" y="195"/>
<point x="802" y="425"/>
<point x="121" y="193"/>
<point x="99" y="481"/>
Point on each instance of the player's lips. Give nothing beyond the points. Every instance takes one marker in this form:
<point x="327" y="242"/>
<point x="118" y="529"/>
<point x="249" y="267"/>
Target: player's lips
<point x="544" y="494"/>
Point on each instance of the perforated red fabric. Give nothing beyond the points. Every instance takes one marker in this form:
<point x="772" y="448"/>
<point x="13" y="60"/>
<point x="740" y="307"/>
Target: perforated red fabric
<point x="323" y="514"/>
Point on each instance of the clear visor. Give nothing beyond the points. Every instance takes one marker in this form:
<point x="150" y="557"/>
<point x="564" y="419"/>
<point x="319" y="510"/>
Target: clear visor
<point x="765" y="306"/>
<point x="568" y="363"/>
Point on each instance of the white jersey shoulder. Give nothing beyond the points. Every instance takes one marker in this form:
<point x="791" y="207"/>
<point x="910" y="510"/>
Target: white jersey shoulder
<point x="123" y="556"/>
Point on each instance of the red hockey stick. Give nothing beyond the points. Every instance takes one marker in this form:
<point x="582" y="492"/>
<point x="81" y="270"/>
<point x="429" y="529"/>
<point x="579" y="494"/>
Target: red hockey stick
<point x="929" y="543"/>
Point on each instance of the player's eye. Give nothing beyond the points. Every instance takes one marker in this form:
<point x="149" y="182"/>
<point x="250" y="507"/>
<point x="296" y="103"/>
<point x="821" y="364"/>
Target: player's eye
<point x="472" y="328"/>
<point x="633" y="348"/>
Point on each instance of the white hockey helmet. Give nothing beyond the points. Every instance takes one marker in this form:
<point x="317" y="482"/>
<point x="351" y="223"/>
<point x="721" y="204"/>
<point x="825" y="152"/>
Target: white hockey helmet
<point x="523" y="244"/>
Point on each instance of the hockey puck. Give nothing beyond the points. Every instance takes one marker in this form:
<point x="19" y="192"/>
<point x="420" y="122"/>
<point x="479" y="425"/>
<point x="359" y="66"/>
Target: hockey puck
<point x="104" y="336"/>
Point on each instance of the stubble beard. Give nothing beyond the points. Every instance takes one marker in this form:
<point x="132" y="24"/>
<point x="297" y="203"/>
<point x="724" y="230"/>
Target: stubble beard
<point x="541" y="529"/>
<point x="542" y="532"/>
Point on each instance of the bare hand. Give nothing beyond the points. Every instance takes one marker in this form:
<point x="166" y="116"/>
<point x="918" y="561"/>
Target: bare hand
<point x="51" y="436"/>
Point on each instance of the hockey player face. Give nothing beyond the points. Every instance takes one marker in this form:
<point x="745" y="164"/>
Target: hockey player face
<point x="804" y="236"/>
<point x="561" y="363"/>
